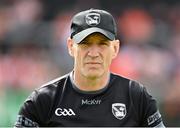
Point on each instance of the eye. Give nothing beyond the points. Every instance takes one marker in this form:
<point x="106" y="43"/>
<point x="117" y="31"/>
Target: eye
<point x="104" y="43"/>
<point x="84" y="44"/>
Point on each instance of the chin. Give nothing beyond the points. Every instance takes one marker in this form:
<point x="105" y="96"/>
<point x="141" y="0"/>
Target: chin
<point x="94" y="74"/>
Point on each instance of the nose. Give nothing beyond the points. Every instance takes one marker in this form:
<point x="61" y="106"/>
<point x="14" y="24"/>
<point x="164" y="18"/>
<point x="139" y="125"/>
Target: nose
<point x="93" y="51"/>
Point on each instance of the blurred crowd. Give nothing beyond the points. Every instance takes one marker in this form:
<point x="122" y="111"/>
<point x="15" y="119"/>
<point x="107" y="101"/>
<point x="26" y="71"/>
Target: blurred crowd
<point x="33" y="48"/>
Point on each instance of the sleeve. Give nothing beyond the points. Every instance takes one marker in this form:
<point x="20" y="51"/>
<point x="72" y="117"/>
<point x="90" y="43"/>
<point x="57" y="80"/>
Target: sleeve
<point x="34" y="111"/>
<point x="146" y="106"/>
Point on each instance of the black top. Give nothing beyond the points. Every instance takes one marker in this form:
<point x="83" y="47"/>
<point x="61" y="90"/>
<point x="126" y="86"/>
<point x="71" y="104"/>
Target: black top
<point x="122" y="102"/>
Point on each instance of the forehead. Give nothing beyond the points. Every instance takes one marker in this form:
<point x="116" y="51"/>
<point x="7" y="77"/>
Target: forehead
<point x="96" y="36"/>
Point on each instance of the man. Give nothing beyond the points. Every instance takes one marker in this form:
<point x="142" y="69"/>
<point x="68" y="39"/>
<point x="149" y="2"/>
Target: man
<point x="90" y="95"/>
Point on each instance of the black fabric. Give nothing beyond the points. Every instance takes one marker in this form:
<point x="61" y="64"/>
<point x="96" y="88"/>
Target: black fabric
<point x="123" y="103"/>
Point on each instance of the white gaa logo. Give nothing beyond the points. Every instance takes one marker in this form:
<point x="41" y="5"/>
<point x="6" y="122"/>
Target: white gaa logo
<point x="64" y="112"/>
<point x="119" y="110"/>
<point x="92" y="19"/>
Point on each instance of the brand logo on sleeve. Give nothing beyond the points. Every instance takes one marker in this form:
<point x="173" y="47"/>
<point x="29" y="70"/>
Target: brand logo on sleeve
<point x="119" y="110"/>
<point x="153" y="118"/>
<point x="64" y="112"/>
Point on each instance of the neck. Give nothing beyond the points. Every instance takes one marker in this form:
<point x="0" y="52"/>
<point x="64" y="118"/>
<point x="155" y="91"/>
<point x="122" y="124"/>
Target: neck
<point x="90" y="84"/>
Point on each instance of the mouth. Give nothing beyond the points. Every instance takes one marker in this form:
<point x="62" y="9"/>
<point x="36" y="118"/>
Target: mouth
<point x="93" y="63"/>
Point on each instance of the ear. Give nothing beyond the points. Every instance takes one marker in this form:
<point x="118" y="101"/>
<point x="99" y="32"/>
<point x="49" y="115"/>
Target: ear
<point x="70" y="46"/>
<point x="116" y="46"/>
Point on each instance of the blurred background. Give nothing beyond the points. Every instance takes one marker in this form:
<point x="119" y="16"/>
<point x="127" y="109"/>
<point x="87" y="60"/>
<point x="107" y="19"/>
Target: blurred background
<point x="33" y="48"/>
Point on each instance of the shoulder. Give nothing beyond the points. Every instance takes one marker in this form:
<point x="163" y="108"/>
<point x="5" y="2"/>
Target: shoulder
<point x="131" y="87"/>
<point x="48" y="90"/>
<point x="53" y="84"/>
<point x="136" y="87"/>
<point x="117" y="79"/>
<point x="127" y="83"/>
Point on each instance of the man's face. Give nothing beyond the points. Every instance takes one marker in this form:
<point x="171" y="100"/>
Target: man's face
<point x="93" y="56"/>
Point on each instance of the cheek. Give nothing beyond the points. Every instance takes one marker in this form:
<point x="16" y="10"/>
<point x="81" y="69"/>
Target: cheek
<point x="108" y="58"/>
<point x="79" y="58"/>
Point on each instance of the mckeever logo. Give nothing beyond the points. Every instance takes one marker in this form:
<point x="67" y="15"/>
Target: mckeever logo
<point x="90" y="102"/>
<point x="64" y="112"/>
